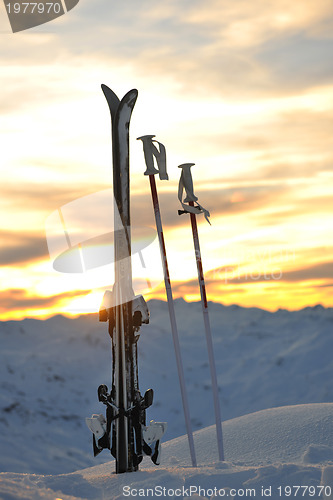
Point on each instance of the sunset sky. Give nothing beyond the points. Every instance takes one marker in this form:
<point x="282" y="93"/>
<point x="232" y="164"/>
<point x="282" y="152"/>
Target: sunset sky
<point x="242" y="89"/>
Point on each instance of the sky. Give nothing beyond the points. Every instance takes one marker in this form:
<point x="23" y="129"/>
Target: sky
<point x="244" y="90"/>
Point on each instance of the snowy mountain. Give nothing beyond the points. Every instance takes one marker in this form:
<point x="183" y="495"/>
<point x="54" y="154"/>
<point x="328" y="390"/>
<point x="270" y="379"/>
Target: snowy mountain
<point x="50" y="371"/>
<point x="277" y="453"/>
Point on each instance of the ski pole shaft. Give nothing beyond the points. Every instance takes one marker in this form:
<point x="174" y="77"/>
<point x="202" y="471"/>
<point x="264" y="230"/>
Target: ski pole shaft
<point x="208" y="333"/>
<point x="172" y="315"/>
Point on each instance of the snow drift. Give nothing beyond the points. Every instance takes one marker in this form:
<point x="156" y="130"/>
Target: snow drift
<point x="275" y="453"/>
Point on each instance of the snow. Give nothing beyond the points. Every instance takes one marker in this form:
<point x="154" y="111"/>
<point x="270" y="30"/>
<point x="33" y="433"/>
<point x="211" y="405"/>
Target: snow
<point x="280" y="447"/>
<point x="274" y="372"/>
<point x="302" y="433"/>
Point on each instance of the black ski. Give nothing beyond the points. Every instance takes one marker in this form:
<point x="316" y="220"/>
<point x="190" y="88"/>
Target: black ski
<point x="124" y="431"/>
<point x="125" y="372"/>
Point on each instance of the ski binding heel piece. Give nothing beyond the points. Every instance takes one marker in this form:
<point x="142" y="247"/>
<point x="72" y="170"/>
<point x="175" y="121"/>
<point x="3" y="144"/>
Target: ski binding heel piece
<point x="153" y="433"/>
<point x="97" y="425"/>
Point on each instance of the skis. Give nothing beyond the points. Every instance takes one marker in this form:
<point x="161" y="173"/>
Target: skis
<point x="123" y="429"/>
<point x="125" y="372"/>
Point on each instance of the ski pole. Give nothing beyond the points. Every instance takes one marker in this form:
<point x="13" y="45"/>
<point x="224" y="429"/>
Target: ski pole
<point x="172" y="315"/>
<point x="187" y="184"/>
<point x="151" y="151"/>
<point x="208" y="333"/>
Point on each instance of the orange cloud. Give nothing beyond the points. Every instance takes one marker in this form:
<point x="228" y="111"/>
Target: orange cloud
<point x="19" y="304"/>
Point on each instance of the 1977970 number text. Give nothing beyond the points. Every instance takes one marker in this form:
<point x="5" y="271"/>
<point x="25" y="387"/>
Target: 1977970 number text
<point x="34" y="7"/>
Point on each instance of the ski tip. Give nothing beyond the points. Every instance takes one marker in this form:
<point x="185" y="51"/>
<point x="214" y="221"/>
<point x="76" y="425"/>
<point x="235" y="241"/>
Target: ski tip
<point x="109" y="94"/>
<point x="114" y="101"/>
<point x="105" y="88"/>
<point x="131" y="96"/>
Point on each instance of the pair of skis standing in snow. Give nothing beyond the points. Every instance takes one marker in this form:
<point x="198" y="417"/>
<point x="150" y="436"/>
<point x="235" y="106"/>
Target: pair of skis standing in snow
<point x="124" y="430"/>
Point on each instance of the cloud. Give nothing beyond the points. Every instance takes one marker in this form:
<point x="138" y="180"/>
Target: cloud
<point x="241" y="199"/>
<point x="274" y="146"/>
<point x="19" y="248"/>
<point x="219" y="201"/>
<point x="315" y="272"/>
<point x="46" y="198"/>
<point x="215" y="290"/>
<point x="326" y="285"/>
<point x="262" y="48"/>
<point x="311" y="206"/>
<point x="38" y="86"/>
<point x="230" y="48"/>
<point x="322" y="271"/>
<point x="304" y="130"/>
<point x="244" y="69"/>
<point x="244" y="24"/>
<point x="18" y="299"/>
<point x="277" y="134"/>
<point x="298" y="62"/>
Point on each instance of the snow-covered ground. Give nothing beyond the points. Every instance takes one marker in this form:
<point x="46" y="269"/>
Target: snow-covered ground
<point x="277" y="453"/>
<point x="50" y="370"/>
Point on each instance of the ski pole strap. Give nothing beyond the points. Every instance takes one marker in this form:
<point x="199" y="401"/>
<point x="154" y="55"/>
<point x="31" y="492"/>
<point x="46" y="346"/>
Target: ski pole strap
<point x="186" y="183"/>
